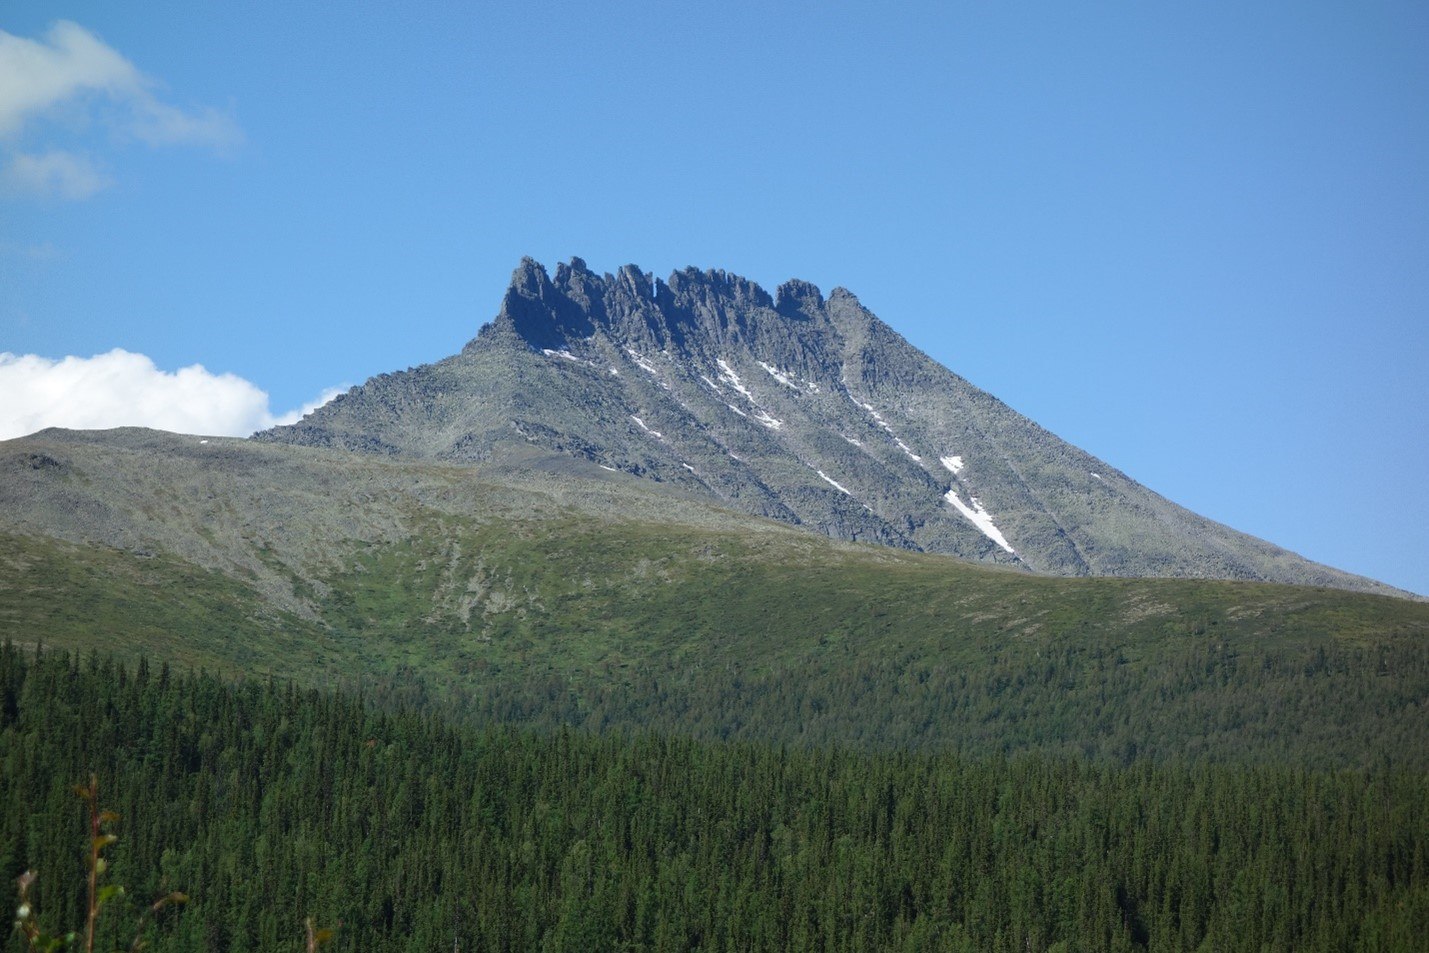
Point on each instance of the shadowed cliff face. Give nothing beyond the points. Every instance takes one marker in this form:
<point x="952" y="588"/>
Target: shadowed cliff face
<point x="800" y="407"/>
<point x="630" y="306"/>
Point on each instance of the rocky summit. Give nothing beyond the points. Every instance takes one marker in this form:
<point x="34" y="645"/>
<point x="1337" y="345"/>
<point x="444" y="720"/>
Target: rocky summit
<point x="796" y="406"/>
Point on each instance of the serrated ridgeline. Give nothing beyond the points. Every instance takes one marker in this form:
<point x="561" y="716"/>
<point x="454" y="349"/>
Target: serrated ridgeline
<point x="806" y="409"/>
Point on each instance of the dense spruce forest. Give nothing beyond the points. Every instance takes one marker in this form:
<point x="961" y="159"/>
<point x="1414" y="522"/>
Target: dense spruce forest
<point x="269" y="804"/>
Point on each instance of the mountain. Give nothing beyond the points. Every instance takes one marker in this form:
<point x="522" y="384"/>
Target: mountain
<point x="555" y="527"/>
<point x="543" y="590"/>
<point x="804" y="409"/>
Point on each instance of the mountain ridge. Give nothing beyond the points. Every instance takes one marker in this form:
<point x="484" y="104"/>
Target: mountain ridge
<point x="794" y="406"/>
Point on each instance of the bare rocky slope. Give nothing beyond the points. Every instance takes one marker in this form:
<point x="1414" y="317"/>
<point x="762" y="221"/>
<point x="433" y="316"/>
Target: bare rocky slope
<point x="805" y="409"/>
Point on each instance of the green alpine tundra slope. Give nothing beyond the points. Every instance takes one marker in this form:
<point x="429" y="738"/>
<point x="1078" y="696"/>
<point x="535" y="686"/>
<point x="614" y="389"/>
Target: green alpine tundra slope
<point x="545" y="590"/>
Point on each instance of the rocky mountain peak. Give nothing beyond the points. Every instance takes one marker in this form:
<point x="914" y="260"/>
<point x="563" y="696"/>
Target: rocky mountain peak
<point x="538" y="311"/>
<point x="691" y="309"/>
<point x="799" y="300"/>
<point x="798" y="407"/>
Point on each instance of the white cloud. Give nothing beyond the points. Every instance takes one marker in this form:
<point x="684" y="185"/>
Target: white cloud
<point x="122" y="389"/>
<point x="71" y="67"/>
<point x="52" y="173"/>
<point x="35" y="76"/>
<point x="293" y="416"/>
<point x="159" y="124"/>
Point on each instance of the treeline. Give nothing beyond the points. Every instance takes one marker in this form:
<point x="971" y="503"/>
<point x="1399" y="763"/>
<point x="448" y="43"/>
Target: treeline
<point x="268" y="804"/>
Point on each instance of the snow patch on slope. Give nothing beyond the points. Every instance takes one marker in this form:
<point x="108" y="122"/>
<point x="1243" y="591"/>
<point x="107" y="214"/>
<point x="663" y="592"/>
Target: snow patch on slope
<point x="646" y="366"/>
<point x="727" y="374"/>
<point x="768" y="421"/>
<point x="640" y="362"/>
<point x="980" y="518"/>
<point x="878" y="419"/>
<point x="780" y="376"/>
<point x="840" y="487"/>
<point x="833" y="483"/>
<point x="567" y="355"/>
<point x="653" y="433"/>
<point x="787" y="379"/>
<point x="954" y="464"/>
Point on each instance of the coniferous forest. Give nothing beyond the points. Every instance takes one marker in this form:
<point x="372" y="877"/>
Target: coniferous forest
<point x="268" y="804"/>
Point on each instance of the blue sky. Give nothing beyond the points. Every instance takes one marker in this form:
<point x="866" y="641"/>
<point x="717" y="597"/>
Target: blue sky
<point x="1192" y="239"/>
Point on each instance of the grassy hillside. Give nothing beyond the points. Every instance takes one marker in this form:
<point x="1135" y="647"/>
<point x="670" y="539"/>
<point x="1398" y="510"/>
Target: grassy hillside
<point x="565" y="597"/>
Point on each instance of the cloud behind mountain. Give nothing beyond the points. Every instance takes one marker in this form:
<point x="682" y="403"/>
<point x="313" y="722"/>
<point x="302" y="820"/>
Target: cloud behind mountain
<point x="121" y="388"/>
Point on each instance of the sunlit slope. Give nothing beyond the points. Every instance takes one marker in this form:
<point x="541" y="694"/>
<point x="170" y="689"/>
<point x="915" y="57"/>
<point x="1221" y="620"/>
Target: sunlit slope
<point x="556" y="592"/>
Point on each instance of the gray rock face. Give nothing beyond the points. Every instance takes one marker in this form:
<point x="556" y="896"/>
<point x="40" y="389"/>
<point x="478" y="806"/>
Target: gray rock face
<point x="798" y="407"/>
